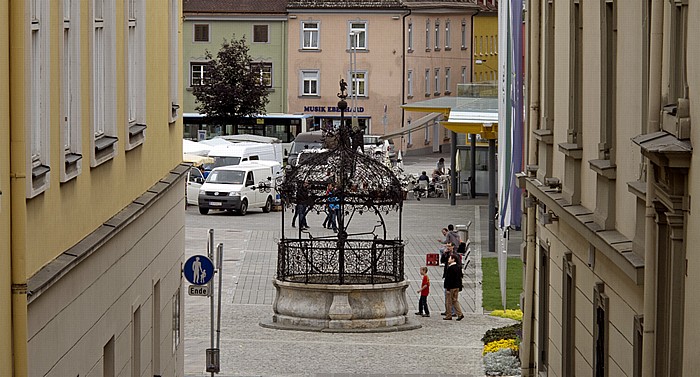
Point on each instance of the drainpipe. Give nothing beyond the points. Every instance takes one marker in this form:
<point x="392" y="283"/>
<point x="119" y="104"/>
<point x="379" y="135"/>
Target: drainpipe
<point x="533" y="77"/>
<point x="403" y="68"/>
<point x="18" y="170"/>
<point x="650" y="240"/>
<point x="5" y="214"/>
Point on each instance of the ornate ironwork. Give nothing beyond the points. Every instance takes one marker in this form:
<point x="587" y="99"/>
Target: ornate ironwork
<point x="318" y="261"/>
<point x="354" y="183"/>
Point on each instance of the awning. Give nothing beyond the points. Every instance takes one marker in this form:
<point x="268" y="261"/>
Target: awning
<point x="414" y="126"/>
<point x="474" y="113"/>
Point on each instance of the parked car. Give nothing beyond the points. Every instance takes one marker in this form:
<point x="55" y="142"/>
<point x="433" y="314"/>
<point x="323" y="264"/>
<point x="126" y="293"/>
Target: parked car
<point x="195" y="179"/>
<point x="236" y="153"/>
<point x="304" y="141"/>
<point x="374" y="142"/>
<point x="237" y="188"/>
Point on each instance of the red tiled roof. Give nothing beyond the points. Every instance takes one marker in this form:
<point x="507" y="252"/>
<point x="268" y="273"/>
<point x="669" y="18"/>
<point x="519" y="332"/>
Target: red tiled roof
<point x="234" y="6"/>
<point x="344" y="4"/>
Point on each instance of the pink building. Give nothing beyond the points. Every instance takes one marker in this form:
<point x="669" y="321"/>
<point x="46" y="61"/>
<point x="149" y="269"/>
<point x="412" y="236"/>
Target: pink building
<point x="399" y="51"/>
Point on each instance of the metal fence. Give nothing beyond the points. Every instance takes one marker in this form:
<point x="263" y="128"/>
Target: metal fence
<point x="333" y="261"/>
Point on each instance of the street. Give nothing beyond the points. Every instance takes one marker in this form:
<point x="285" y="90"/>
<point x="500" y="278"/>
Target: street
<point x="247" y="349"/>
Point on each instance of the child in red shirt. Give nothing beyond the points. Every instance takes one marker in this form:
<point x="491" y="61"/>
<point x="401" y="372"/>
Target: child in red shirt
<point x="424" y="291"/>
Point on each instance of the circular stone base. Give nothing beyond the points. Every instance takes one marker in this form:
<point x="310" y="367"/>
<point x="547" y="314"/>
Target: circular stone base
<point x="340" y="308"/>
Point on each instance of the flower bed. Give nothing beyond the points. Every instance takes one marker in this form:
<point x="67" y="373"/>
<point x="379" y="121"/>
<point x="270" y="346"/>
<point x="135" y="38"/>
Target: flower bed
<point x="501" y="346"/>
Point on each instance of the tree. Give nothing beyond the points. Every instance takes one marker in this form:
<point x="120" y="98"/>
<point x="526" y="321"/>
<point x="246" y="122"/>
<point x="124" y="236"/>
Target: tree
<point x="229" y="89"/>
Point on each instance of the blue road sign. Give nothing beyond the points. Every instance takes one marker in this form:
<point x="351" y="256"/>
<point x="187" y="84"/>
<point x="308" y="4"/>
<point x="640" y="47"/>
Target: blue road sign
<point x="198" y="269"/>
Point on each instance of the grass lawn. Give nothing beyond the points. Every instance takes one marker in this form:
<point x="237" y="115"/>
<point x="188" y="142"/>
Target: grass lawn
<point x="490" y="284"/>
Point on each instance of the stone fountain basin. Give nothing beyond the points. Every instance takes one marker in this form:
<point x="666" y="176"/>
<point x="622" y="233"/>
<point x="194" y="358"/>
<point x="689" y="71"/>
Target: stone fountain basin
<point x="341" y="308"/>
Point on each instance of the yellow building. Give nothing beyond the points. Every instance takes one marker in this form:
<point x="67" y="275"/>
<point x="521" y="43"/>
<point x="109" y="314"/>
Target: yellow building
<point x="91" y="204"/>
<point x="611" y="266"/>
<point x="485" y="43"/>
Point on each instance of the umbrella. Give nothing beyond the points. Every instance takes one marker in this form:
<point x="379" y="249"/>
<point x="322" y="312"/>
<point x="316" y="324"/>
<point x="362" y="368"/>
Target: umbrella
<point x="192" y="147"/>
<point x="196" y="159"/>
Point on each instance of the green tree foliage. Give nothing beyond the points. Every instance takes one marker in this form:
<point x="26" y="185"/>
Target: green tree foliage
<point x="230" y="89"/>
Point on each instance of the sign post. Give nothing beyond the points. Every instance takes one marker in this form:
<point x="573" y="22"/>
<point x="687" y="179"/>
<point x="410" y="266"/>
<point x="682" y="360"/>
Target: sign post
<point x="199" y="271"/>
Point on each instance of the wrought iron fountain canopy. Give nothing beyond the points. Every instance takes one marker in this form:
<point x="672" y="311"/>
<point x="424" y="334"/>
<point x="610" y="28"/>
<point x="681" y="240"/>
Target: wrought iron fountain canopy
<point x="357" y="184"/>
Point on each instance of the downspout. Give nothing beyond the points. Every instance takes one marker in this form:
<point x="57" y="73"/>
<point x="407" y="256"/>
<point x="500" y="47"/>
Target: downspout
<point x="403" y="69"/>
<point x="533" y="77"/>
<point x="5" y="213"/>
<point x="18" y="170"/>
<point x="650" y="239"/>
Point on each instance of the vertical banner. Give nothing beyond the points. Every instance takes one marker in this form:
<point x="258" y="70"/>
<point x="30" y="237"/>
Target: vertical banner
<point x="510" y="126"/>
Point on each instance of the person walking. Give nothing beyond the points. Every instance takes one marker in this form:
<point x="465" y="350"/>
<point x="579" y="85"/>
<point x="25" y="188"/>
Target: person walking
<point x="424" y="292"/>
<point x="453" y="284"/>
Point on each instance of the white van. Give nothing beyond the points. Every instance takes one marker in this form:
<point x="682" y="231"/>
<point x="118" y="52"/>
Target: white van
<point x="237" y="188"/>
<point x="236" y="153"/>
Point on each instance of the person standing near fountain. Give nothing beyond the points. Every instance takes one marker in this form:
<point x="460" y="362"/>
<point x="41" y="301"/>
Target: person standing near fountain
<point x="453" y="284"/>
<point x="424" y="292"/>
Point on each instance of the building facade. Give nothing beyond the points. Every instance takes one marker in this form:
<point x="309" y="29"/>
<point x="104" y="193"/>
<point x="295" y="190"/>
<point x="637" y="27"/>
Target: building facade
<point x="438" y="49"/>
<point x="485" y="42"/>
<point x="321" y="48"/>
<point x="609" y="260"/>
<point x="91" y="242"/>
<point x="207" y="23"/>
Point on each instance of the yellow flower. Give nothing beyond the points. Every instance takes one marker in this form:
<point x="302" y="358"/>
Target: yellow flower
<point x="500" y="344"/>
<point x="516" y="314"/>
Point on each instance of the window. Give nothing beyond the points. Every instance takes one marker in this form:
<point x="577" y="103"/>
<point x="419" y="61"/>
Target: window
<point x="309" y="83"/>
<point x="358" y="35"/>
<point x="543" y="309"/>
<point x="410" y="36"/>
<point x="678" y="75"/>
<point x="437" y="35"/>
<point x="548" y="95"/>
<point x="177" y="326"/>
<point x="108" y="354"/>
<point x="427" y="34"/>
<point x="427" y="82"/>
<point x="426" y="134"/>
<point x="637" y="342"/>
<point x="201" y="32"/>
<point x="447" y="80"/>
<point x="135" y="73"/>
<point x="609" y="80"/>
<point x="600" y="331"/>
<point x="568" y="315"/>
<point x="174" y="72"/>
<point x="409" y="84"/>
<point x="437" y="81"/>
<point x="264" y="69"/>
<point x="448" y="36"/>
<point x="261" y="34"/>
<point x="358" y="78"/>
<point x="464" y="35"/>
<point x="70" y="93"/>
<point x="136" y="342"/>
<point x="39" y="126"/>
<point x="464" y="74"/>
<point x="104" y="81"/>
<point x="198" y="73"/>
<point x="155" y="336"/>
<point x="481" y="45"/>
<point x="310" y="33"/>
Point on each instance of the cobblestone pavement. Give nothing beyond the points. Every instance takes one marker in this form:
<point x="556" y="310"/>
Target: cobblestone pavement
<point x="438" y="348"/>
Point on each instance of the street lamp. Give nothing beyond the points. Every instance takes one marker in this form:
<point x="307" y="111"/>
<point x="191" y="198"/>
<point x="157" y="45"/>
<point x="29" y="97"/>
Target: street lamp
<point x="483" y="62"/>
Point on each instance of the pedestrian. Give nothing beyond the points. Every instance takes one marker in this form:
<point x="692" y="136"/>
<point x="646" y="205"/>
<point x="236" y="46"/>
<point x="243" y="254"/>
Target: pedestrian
<point x="440" y="166"/>
<point x="424" y="292"/>
<point x="451" y="235"/>
<point x="300" y="211"/>
<point x="334" y="207"/>
<point x="453" y="284"/>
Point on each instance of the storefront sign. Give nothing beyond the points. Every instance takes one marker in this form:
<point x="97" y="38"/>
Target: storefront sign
<point x="331" y="109"/>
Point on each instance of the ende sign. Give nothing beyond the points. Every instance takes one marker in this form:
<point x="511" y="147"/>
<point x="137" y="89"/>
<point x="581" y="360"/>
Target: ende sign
<point x="332" y="109"/>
